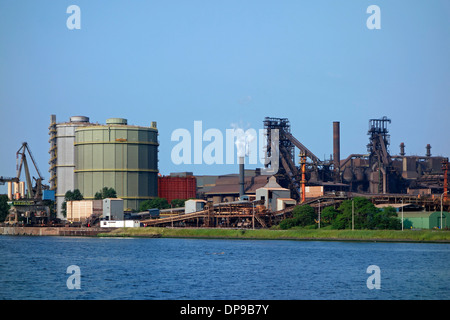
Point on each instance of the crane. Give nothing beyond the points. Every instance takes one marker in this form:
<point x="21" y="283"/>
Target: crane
<point x="37" y="192"/>
<point x="32" y="207"/>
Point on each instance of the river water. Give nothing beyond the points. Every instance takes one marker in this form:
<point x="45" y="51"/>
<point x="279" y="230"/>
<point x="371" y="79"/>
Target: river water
<point x="179" y="269"/>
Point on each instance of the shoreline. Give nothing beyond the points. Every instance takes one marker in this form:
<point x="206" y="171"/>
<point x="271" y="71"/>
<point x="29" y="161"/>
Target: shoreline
<point x="397" y="236"/>
<point x="425" y="236"/>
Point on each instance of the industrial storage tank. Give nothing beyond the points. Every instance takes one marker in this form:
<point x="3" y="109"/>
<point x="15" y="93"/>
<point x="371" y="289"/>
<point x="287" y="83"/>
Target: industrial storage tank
<point x="62" y="156"/>
<point x="119" y="156"/>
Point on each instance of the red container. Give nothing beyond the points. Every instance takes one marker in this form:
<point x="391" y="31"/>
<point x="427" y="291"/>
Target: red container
<point x="177" y="187"/>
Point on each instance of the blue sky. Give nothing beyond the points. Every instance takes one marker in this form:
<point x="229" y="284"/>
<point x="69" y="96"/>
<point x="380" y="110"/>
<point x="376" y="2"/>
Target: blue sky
<point x="225" y="62"/>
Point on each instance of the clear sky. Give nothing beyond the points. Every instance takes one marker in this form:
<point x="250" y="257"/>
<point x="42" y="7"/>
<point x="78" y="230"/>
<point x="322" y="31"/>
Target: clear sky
<point x="225" y="62"/>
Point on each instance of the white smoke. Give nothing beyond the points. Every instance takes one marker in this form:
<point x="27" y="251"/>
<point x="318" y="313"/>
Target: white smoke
<point x="244" y="139"/>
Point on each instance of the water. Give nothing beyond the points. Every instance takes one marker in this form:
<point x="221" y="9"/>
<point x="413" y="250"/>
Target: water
<point x="174" y="269"/>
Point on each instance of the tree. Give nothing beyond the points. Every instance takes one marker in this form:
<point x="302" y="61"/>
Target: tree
<point x="4" y="207"/>
<point x="156" y="203"/>
<point x="74" y="195"/>
<point x="303" y="215"/>
<point x="328" y="215"/>
<point x="366" y="216"/>
<point x="105" y="193"/>
<point x="177" y="203"/>
<point x="387" y="219"/>
<point x="364" y="212"/>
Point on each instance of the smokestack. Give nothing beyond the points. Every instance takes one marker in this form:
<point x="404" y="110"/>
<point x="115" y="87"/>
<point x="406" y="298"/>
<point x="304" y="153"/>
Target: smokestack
<point x="428" y="150"/>
<point x="241" y="176"/>
<point x="402" y="149"/>
<point x="336" y="146"/>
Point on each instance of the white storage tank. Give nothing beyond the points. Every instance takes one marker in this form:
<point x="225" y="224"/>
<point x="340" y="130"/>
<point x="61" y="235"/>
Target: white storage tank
<point x="62" y="156"/>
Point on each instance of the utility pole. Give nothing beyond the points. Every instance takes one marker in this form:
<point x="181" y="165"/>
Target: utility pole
<point x="319" y="214"/>
<point x="253" y="219"/>
<point x="441" y="207"/>
<point x="402" y="214"/>
<point x="353" y="214"/>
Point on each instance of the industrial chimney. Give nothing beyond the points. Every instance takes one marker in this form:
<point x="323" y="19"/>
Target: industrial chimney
<point x="241" y="176"/>
<point x="336" y="147"/>
<point x="402" y="149"/>
<point x="428" y="150"/>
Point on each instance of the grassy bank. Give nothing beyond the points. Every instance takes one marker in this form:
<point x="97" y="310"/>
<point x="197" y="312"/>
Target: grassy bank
<point x="292" y="234"/>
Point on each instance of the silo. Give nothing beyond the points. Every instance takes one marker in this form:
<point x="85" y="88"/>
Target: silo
<point x="119" y="156"/>
<point x="62" y="156"/>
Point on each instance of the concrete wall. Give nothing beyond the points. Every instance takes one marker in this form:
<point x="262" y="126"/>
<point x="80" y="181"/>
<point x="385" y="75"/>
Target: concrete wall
<point x="51" y="231"/>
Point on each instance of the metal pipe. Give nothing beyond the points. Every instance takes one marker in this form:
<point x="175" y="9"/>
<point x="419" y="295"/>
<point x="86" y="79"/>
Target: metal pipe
<point x="241" y="176"/>
<point x="303" y="182"/>
<point x="336" y="146"/>
<point x="441" y="209"/>
<point x="402" y="149"/>
<point x="428" y="150"/>
<point x="445" y="169"/>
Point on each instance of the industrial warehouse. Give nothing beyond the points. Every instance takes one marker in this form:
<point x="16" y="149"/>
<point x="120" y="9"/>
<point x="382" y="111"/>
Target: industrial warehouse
<point x="89" y="157"/>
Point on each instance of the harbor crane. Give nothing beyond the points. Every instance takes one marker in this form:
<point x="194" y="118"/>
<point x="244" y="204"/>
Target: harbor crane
<point x="32" y="193"/>
<point x="32" y="207"/>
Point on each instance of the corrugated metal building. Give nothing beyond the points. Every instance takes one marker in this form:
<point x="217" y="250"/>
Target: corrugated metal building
<point x="183" y="186"/>
<point x="414" y="216"/>
<point x="79" y="211"/>
<point x="425" y="220"/>
<point x="226" y="187"/>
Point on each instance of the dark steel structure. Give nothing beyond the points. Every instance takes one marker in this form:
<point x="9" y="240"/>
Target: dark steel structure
<point x="377" y="172"/>
<point x="336" y="148"/>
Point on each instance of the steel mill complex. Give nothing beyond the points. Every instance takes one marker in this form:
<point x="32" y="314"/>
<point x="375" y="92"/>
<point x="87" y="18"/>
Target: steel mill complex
<point x="90" y="157"/>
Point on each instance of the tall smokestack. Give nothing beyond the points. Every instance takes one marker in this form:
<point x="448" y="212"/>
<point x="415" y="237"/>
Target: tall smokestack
<point x="336" y="146"/>
<point x="402" y="149"/>
<point x="428" y="150"/>
<point x="241" y="176"/>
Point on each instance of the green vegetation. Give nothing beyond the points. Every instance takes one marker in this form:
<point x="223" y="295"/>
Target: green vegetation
<point x="303" y="216"/>
<point x="366" y="216"/>
<point x="156" y="203"/>
<point x="161" y="203"/>
<point x="291" y="234"/>
<point x="4" y="207"/>
<point x="177" y="203"/>
<point x="105" y="193"/>
<point x="70" y="196"/>
<point x="73" y="195"/>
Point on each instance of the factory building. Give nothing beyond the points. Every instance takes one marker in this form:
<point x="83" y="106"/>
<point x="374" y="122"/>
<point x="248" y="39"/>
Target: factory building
<point x="274" y="196"/>
<point x="227" y="188"/>
<point x="181" y="185"/>
<point x="416" y="217"/>
<point x="375" y="172"/>
<point x="116" y="155"/>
